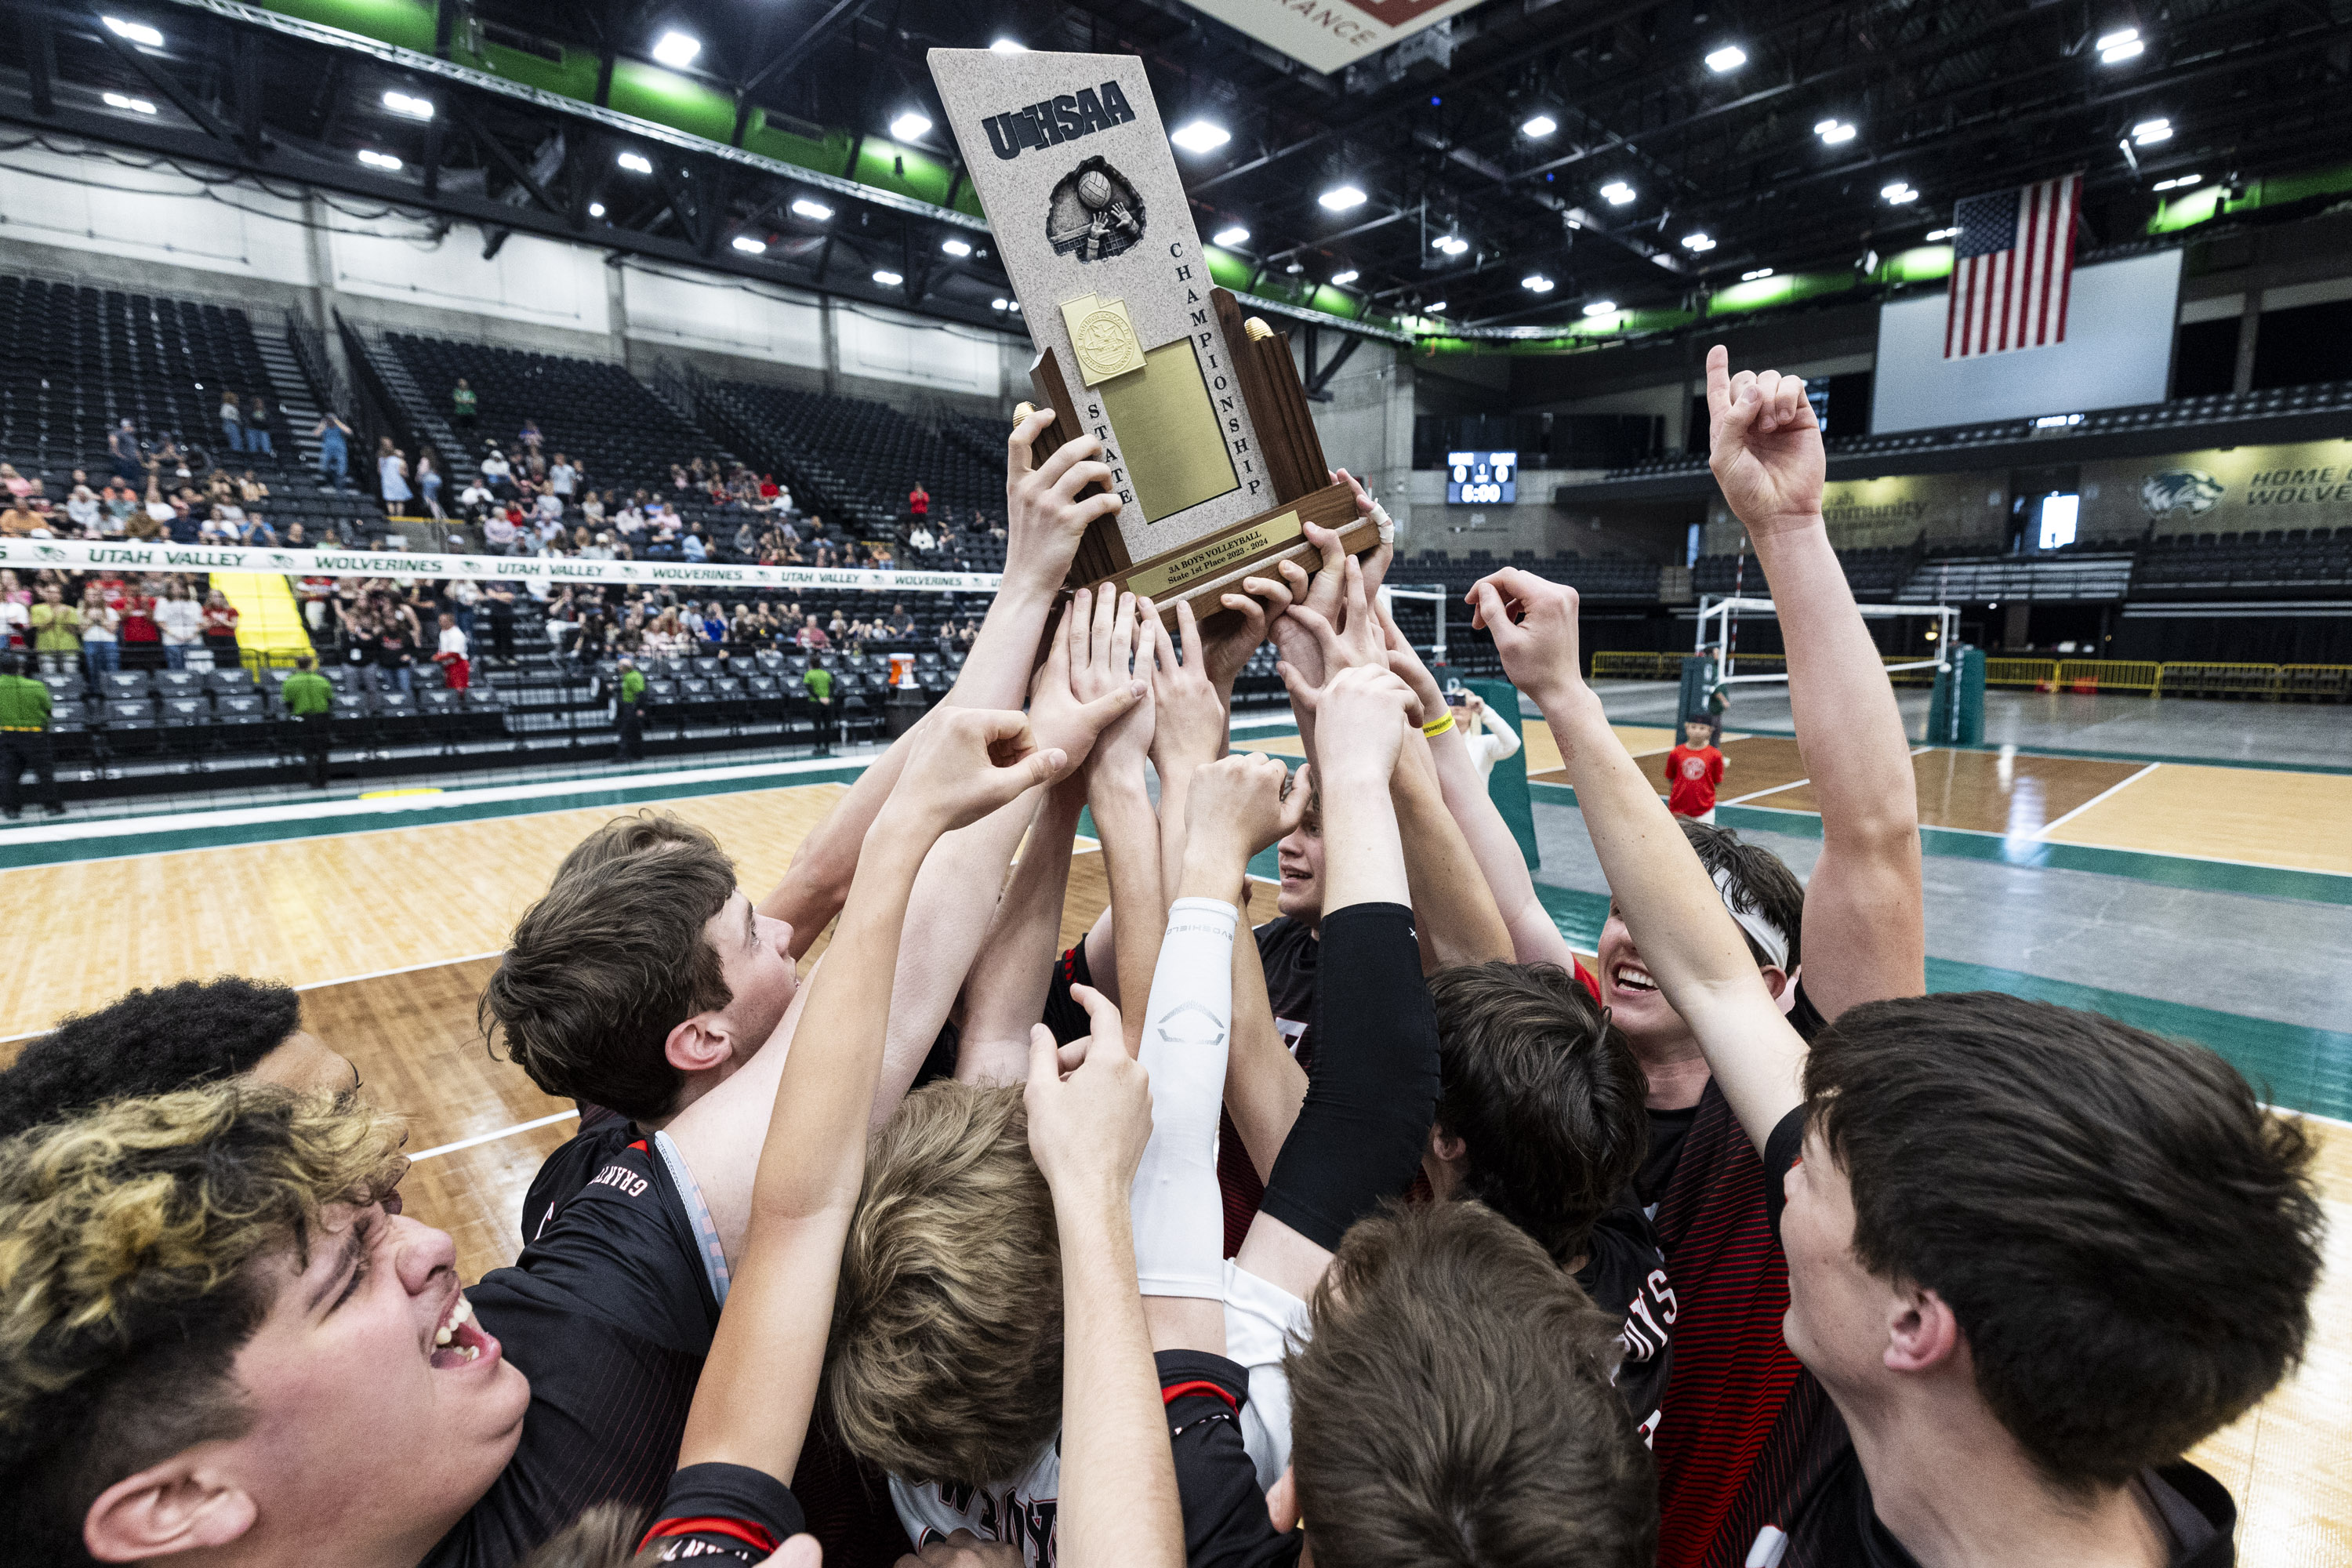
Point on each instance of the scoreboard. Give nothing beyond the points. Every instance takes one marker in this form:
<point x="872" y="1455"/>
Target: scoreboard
<point x="1482" y="478"/>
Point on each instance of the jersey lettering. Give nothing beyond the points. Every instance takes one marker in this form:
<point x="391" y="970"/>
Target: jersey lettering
<point x="621" y="1176"/>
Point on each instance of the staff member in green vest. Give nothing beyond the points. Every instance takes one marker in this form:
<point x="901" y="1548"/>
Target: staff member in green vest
<point x="819" y="682"/>
<point x="25" y="739"/>
<point x="630" y="711"/>
<point x="311" y="699"/>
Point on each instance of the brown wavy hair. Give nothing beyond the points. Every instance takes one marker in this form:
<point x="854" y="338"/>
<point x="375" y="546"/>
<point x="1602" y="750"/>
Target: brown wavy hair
<point x="945" y="1359"/>
<point x="136" y="1244"/>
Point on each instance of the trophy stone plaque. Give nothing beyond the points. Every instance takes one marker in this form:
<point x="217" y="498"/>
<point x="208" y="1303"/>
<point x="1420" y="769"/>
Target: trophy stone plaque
<point x="1213" y="452"/>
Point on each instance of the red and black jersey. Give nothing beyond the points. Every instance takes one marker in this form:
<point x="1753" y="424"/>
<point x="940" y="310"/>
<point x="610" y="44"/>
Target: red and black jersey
<point x="1225" y="1521"/>
<point x="1746" y="1429"/>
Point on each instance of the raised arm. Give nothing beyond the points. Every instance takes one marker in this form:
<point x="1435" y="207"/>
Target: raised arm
<point x="1865" y="936"/>
<point x="1687" y="937"/>
<point x="1118" y="1500"/>
<point x="1116" y="796"/>
<point x="753" y="1409"/>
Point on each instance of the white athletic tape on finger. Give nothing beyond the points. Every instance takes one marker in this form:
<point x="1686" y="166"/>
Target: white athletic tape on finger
<point x="1381" y="521"/>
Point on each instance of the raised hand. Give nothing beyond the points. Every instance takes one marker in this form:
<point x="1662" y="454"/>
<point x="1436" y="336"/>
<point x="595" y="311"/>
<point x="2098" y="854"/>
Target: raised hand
<point x="1089" y="1122"/>
<point x="1225" y="650"/>
<point x="971" y="760"/>
<point x="1408" y="667"/>
<point x="1044" y="518"/>
<point x="1365" y="714"/>
<point x="1115" y="656"/>
<point x="1764" y="444"/>
<point x="1057" y="715"/>
<point x="1188" y="718"/>
<point x="1533" y="623"/>
<point x="1241" y="804"/>
<point x="1351" y="638"/>
<point x="1376" y="560"/>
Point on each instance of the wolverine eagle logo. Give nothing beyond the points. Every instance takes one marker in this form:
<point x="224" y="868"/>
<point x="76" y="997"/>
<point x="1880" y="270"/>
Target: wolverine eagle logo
<point x="2190" y="491"/>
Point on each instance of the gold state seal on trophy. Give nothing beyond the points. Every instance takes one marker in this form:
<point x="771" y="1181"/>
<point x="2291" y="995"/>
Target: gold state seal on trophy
<point x="1103" y="338"/>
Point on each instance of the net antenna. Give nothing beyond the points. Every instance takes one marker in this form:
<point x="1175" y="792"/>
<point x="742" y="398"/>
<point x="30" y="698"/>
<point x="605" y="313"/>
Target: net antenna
<point x="1718" y="637"/>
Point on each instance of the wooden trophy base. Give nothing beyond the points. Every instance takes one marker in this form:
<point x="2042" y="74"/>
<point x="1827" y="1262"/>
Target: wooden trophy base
<point x="1200" y="572"/>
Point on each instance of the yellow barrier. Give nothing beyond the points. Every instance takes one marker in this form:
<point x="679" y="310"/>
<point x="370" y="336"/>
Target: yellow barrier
<point x="2204" y="678"/>
<point x="2109" y="675"/>
<point x="2041" y="674"/>
<point x="2317" y="682"/>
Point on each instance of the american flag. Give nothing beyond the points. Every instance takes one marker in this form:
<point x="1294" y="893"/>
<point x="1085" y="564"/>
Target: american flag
<point x="2013" y="265"/>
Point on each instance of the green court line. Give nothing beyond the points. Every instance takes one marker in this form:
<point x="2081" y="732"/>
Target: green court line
<point x="101" y="846"/>
<point x="2171" y="870"/>
<point x="2290" y="1065"/>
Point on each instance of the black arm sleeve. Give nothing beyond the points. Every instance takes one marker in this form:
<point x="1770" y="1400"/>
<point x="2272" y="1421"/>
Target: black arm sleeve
<point x="727" y="1512"/>
<point x="1225" y="1521"/>
<point x="1359" y="1137"/>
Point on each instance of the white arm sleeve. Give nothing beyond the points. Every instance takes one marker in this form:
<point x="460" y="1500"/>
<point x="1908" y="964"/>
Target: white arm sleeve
<point x="1179" y="1218"/>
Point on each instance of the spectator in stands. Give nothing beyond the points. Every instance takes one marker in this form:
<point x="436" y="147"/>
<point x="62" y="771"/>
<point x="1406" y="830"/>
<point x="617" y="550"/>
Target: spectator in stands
<point x="530" y="436"/>
<point x="251" y="490"/>
<point x="499" y="597"/>
<point x="118" y="500"/>
<point x="122" y="449"/>
<point x="838" y="627"/>
<point x="15" y="612"/>
<point x="142" y="639"/>
<point x="598" y="548"/>
<point x="591" y="507"/>
<point x="474" y="498"/>
<point x="429" y="482"/>
<point x="919" y="538"/>
<point x="334" y="448"/>
<point x="101" y="648"/>
<point x="183" y="623"/>
<point x="747" y="544"/>
<point x="498" y="533"/>
<point x="562" y="477"/>
<point x="258" y="534"/>
<point x="451" y="654"/>
<point x="82" y="509"/>
<point x="56" y="628"/>
<point x="497" y="473"/>
<point x="692" y="546"/>
<point x="463" y="410"/>
<point x="394" y="639"/>
<point x="392" y="477"/>
<point x="220" y="629"/>
<point x="232" y="422"/>
<point x="21" y="521"/>
<point x="258" y="436"/>
<point x="664" y="638"/>
<point x="918" y="502"/>
<point x="812" y="636"/>
<point x="900" y="624"/>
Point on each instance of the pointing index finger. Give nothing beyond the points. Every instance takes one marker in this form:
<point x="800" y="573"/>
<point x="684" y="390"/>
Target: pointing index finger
<point x="1718" y="379"/>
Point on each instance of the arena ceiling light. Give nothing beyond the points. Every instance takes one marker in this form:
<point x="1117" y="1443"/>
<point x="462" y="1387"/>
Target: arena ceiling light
<point x="409" y="104"/>
<point x="1899" y="193"/>
<point x="750" y="247"/>
<point x="1435" y="307"/>
<point x="1340" y="198"/>
<point x="1600" y="308"/>
<point x="635" y="162"/>
<point x="999" y="303"/>
<point x="1344" y="278"/>
<point x="595" y="209"/>
<point x="1616" y="192"/>
<point x="1230" y="236"/>
<point x="1199" y="137"/>
<point x="815" y="212"/>
<point x="2149" y="132"/>
<point x="1539" y="126"/>
<point x="136" y="105"/>
<point x="910" y="124"/>
<point x="887" y="279"/>
<point x="137" y="32"/>
<point x="1008" y="46"/>
<point x="1935" y="234"/>
<point x="375" y="159"/>
<point x="1698" y="244"/>
<point x="1452" y="244"/>
<point x="2116" y="47"/>
<point x="1755" y="273"/>
<point x="956" y="247"/>
<point x="1729" y="58"/>
<point x="1536" y="283"/>
<point x="1833" y="132"/>
<point x="676" y="49"/>
<point x="2177" y="183"/>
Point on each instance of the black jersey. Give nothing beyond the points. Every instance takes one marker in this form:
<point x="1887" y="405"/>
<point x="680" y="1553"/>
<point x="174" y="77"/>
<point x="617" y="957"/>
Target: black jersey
<point x="1625" y="1273"/>
<point x="1225" y="1521"/>
<point x="723" y="1514"/>
<point x="601" y="1134"/>
<point x="609" y="1312"/>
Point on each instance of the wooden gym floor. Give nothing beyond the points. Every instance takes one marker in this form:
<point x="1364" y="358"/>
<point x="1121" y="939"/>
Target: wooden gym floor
<point x="391" y="927"/>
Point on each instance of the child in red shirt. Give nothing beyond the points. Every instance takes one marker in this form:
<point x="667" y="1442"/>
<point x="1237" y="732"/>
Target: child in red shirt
<point x="1693" y="770"/>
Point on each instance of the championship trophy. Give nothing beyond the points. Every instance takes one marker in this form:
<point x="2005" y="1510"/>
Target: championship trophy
<point x="1203" y="424"/>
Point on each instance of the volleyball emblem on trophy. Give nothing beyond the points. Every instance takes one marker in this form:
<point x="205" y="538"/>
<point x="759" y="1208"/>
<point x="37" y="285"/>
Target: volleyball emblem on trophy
<point x="1094" y="211"/>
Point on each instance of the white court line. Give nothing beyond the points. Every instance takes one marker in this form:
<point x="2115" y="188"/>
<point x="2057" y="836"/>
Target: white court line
<point x="491" y="1137"/>
<point x="2047" y="828"/>
<point x="1760" y="794"/>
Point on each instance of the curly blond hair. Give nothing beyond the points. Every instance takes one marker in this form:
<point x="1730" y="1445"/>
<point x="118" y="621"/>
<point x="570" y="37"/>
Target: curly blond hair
<point x="945" y="1359"/>
<point x="135" y="1247"/>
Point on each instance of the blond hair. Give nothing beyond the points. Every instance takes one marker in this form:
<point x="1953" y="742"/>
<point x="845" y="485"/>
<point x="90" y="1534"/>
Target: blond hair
<point x="945" y="1359"/>
<point x="135" y="1244"/>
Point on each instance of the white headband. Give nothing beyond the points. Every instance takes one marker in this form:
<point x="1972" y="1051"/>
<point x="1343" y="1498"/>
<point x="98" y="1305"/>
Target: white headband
<point x="1768" y="936"/>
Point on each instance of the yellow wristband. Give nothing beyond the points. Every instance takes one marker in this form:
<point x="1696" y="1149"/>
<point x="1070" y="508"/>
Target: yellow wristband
<point x="1431" y="731"/>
